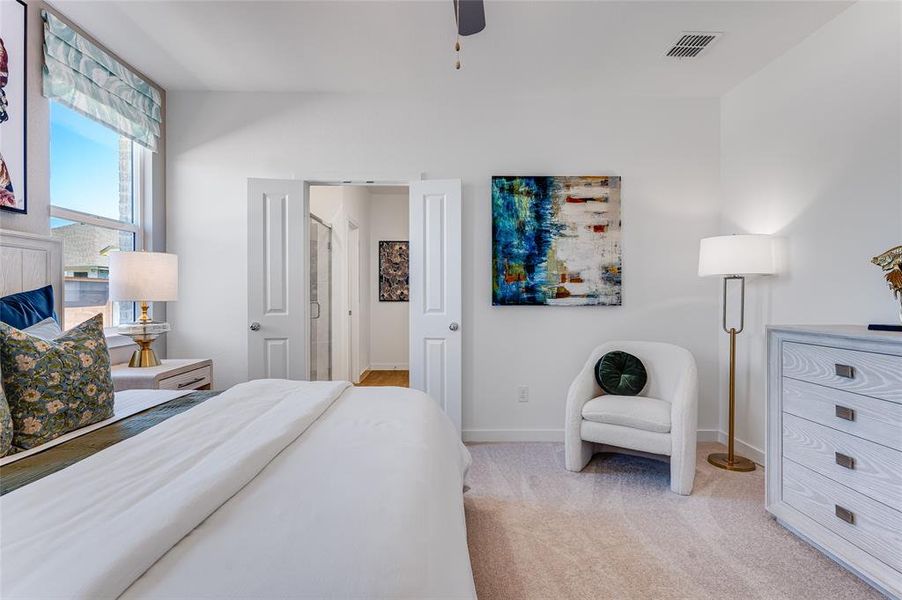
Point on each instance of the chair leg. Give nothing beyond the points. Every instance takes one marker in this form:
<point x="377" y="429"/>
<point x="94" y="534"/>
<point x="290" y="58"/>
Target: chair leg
<point x="578" y="453"/>
<point x="682" y="474"/>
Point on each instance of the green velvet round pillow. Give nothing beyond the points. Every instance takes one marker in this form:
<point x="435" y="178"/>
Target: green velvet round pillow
<point x="620" y="374"/>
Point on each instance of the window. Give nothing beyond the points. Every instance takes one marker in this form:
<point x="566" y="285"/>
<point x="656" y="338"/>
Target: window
<point x="95" y="197"/>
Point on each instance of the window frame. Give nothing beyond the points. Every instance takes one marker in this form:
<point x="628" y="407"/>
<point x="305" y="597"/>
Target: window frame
<point x="141" y="158"/>
<point x="136" y="226"/>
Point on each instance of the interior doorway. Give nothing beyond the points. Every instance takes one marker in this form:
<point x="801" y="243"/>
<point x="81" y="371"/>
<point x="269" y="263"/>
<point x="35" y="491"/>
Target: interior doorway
<point x="279" y="280"/>
<point x="368" y="342"/>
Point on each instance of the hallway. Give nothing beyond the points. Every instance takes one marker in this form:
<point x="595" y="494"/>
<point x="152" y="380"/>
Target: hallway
<point x="385" y="378"/>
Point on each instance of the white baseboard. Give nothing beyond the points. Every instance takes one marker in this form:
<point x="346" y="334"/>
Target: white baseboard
<point x="513" y="435"/>
<point x="388" y="367"/>
<point x="557" y="435"/>
<point x="743" y="448"/>
<point x="708" y="435"/>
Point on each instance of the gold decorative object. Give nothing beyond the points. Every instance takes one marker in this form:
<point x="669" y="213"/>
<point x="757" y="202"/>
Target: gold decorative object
<point x="143" y="333"/>
<point x="891" y="263"/>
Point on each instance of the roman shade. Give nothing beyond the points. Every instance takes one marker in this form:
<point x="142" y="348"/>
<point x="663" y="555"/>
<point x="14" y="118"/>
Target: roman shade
<point x="83" y="76"/>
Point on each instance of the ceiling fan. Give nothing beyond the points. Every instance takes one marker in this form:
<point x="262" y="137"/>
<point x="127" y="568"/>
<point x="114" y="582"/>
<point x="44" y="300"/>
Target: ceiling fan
<point x="469" y="15"/>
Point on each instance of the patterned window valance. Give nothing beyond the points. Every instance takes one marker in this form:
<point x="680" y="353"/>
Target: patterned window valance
<point x="85" y="77"/>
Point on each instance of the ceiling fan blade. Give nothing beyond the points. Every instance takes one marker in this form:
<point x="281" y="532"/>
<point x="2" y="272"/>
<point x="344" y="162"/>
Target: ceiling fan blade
<point x="470" y="16"/>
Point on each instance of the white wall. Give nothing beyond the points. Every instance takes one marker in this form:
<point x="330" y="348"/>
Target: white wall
<point x="811" y="152"/>
<point x="337" y="206"/>
<point x="666" y="150"/>
<point x="389" y="321"/>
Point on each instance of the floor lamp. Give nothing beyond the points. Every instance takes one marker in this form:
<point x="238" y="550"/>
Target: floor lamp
<point x="734" y="257"/>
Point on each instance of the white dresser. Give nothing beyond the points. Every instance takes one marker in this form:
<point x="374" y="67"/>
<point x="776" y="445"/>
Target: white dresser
<point x="834" y="444"/>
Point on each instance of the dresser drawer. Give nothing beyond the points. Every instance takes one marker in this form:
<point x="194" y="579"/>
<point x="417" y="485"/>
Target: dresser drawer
<point x="872" y="469"/>
<point x="191" y="380"/>
<point x="879" y="421"/>
<point x="877" y="375"/>
<point x="874" y="527"/>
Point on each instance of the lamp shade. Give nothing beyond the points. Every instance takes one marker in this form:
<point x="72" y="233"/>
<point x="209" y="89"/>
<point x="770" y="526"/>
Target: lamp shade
<point x="737" y="255"/>
<point x="151" y="276"/>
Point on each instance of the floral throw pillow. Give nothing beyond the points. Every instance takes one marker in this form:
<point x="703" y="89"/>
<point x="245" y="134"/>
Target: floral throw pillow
<point x="6" y="425"/>
<point x="53" y="387"/>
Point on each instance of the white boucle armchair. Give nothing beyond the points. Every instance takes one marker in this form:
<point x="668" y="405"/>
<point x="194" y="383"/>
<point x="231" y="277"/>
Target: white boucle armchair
<point x="661" y="420"/>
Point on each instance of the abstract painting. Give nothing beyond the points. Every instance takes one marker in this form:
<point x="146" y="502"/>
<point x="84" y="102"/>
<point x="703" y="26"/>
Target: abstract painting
<point x="394" y="271"/>
<point x="556" y="241"/>
<point x="12" y="106"/>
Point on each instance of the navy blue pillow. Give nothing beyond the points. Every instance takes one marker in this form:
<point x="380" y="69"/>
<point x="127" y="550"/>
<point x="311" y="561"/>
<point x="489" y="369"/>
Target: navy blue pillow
<point x="27" y="308"/>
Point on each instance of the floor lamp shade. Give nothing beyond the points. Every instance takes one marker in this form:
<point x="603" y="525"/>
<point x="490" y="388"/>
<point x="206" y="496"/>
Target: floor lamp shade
<point x="140" y="276"/>
<point x="737" y="255"/>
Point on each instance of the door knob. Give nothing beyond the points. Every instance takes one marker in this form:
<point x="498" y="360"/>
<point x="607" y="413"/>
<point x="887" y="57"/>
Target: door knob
<point x="255" y="326"/>
<point x="454" y="326"/>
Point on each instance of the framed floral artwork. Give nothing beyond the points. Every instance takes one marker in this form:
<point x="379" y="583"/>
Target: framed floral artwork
<point x="394" y="271"/>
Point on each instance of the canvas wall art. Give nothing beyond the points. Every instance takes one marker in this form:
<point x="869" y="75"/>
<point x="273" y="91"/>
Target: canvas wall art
<point x="556" y="241"/>
<point x="12" y="106"/>
<point x="394" y="271"/>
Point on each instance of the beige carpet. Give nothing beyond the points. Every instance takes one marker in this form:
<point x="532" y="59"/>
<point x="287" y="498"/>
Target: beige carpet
<point x="616" y="531"/>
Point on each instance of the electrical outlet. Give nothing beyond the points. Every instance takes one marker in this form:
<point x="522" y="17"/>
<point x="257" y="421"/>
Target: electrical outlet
<point x="523" y="393"/>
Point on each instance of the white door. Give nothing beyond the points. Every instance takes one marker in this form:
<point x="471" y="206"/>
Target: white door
<point x="435" y="292"/>
<point x="353" y="302"/>
<point x="277" y="255"/>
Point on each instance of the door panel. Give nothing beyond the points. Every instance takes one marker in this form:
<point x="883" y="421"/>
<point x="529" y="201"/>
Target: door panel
<point x="276" y="358"/>
<point x="274" y="259"/>
<point x="435" y="292"/>
<point x="277" y="309"/>
<point x="434" y="373"/>
<point x="434" y="206"/>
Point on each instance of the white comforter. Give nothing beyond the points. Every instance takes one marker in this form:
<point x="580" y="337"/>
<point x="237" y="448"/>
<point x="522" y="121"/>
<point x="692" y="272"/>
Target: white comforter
<point x="272" y="489"/>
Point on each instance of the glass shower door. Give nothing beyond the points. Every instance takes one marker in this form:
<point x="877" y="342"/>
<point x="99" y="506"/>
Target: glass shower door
<point x="320" y="300"/>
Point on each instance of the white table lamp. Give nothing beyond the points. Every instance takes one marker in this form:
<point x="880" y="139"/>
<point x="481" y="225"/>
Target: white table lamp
<point x="143" y="277"/>
<point x="734" y="257"/>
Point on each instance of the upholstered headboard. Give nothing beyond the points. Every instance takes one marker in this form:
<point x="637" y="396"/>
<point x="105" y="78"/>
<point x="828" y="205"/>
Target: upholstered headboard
<point x="29" y="261"/>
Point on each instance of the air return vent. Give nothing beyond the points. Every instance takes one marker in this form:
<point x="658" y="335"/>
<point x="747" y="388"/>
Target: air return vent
<point x="691" y="44"/>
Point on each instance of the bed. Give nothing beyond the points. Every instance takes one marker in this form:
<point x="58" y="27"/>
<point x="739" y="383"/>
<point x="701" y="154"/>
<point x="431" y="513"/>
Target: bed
<point x="271" y="489"/>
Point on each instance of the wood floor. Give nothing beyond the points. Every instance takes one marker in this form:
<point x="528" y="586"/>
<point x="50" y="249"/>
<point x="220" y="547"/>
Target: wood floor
<point x="383" y="378"/>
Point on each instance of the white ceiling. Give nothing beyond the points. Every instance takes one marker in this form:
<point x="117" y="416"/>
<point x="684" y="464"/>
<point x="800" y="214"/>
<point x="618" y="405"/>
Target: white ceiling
<point x="550" y="46"/>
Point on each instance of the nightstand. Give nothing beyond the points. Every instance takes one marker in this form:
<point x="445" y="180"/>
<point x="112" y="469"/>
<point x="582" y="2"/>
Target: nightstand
<point x="172" y="374"/>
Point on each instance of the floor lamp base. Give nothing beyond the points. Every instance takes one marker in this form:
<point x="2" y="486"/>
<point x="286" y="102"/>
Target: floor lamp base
<point x="721" y="460"/>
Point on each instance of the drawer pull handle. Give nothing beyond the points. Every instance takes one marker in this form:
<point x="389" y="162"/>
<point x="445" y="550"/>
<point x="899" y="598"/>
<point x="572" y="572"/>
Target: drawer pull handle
<point x="845" y="514"/>
<point x="844" y="460"/>
<point x="190" y="383"/>
<point x="844" y="371"/>
<point x="844" y="412"/>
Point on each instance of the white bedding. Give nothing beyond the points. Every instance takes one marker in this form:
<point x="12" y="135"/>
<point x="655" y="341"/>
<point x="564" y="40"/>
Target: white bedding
<point x="272" y="489"/>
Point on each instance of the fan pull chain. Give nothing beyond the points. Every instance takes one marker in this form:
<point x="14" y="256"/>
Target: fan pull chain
<point x="457" y="43"/>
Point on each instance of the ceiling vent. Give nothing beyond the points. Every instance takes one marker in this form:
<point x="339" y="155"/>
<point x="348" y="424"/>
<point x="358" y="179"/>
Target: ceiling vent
<point x="691" y="44"/>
